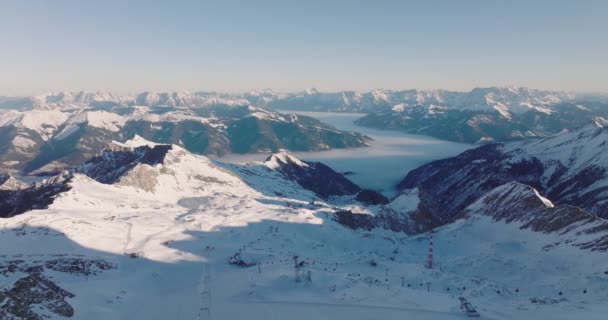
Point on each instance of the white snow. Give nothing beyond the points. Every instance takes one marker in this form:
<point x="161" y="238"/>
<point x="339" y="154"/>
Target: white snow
<point x="67" y="131"/>
<point x="406" y="201"/>
<point x="106" y="120"/>
<point x="282" y="158"/>
<point x="23" y="144"/>
<point x="200" y="212"/>
<point x="575" y="150"/>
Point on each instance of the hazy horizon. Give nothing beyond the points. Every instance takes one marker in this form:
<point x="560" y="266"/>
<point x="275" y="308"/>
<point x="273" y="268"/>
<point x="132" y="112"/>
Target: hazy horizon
<point x="239" y="46"/>
<point x="127" y="93"/>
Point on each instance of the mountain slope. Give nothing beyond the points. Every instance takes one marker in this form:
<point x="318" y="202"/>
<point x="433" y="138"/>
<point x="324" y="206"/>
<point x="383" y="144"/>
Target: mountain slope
<point x="519" y="204"/>
<point x="490" y="114"/>
<point x="567" y="169"/>
<point x="50" y="140"/>
<point x="155" y="241"/>
<point x="17" y="198"/>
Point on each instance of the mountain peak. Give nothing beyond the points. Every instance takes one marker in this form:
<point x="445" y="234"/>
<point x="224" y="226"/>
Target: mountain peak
<point x="283" y="158"/>
<point x="7" y="182"/>
<point x="136" y="141"/>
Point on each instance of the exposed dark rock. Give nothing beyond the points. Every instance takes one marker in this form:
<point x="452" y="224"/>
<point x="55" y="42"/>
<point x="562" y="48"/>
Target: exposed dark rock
<point x="36" y="196"/>
<point x="567" y="169"/>
<point x="33" y="296"/>
<point x="518" y="203"/>
<point x="74" y="265"/>
<point x="4" y="177"/>
<point x="388" y="219"/>
<point x="79" y="266"/>
<point x="313" y="176"/>
<point x="34" y="290"/>
<point x="371" y="197"/>
<point x="114" y="162"/>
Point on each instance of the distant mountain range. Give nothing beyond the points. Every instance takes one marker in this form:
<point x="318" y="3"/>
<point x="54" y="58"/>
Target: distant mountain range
<point x="492" y="114"/>
<point x="480" y="115"/>
<point x="61" y="131"/>
<point x="514" y="99"/>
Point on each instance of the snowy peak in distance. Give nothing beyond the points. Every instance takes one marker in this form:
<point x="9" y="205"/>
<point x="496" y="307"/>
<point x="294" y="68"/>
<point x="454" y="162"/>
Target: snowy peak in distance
<point x="184" y="98"/>
<point x="321" y="179"/>
<point x="136" y="141"/>
<point x="512" y="99"/>
<point x="313" y="176"/>
<point x="81" y="99"/>
<point x="522" y="205"/>
<point x="53" y="139"/>
<point x="515" y="99"/>
<point x="281" y="159"/>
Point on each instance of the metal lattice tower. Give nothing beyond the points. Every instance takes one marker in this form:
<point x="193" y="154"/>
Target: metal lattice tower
<point x="295" y="260"/>
<point x="429" y="258"/>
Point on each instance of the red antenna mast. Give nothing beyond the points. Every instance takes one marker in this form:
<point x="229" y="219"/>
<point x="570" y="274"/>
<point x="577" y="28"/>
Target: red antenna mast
<point x="429" y="258"/>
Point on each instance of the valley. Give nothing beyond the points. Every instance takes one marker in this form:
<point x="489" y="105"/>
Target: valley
<point x="194" y="238"/>
<point x="390" y="154"/>
<point x="303" y="160"/>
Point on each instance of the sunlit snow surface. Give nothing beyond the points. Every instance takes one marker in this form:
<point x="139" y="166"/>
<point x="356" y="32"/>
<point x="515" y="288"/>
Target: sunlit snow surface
<point x="381" y="166"/>
<point x="199" y="212"/>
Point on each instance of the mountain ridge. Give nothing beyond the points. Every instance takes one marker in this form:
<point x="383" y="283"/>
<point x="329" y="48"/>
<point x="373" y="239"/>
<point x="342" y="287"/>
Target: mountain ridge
<point x="568" y="169"/>
<point x="54" y="139"/>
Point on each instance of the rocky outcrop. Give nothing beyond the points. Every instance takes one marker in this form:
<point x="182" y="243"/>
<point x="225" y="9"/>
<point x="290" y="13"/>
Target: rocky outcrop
<point x="517" y="203"/>
<point x="371" y="197"/>
<point x="313" y="176"/>
<point x="389" y="221"/>
<point x="34" y="295"/>
<point x="38" y="195"/>
<point x="568" y="169"/>
<point x="117" y="160"/>
<point x="35" y="290"/>
<point x="9" y="183"/>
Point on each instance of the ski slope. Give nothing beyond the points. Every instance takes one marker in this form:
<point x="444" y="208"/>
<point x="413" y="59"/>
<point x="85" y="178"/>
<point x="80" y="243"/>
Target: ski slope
<point x="169" y="240"/>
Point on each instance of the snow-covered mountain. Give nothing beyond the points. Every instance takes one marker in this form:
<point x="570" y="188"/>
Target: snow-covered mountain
<point x="321" y="179"/>
<point x="568" y="169"/>
<point x="156" y="229"/>
<point x="141" y="163"/>
<point x="520" y="204"/>
<point x="502" y="99"/>
<point x="17" y="197"/>
<point x="500" y="114"/>
<point x="51" y="139"/>
<point x="147" y="230"/>
<point x="482" y="114"/>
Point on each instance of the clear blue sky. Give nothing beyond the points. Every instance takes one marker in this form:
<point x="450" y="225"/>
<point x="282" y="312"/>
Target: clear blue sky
<point x="233" y="46"/>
